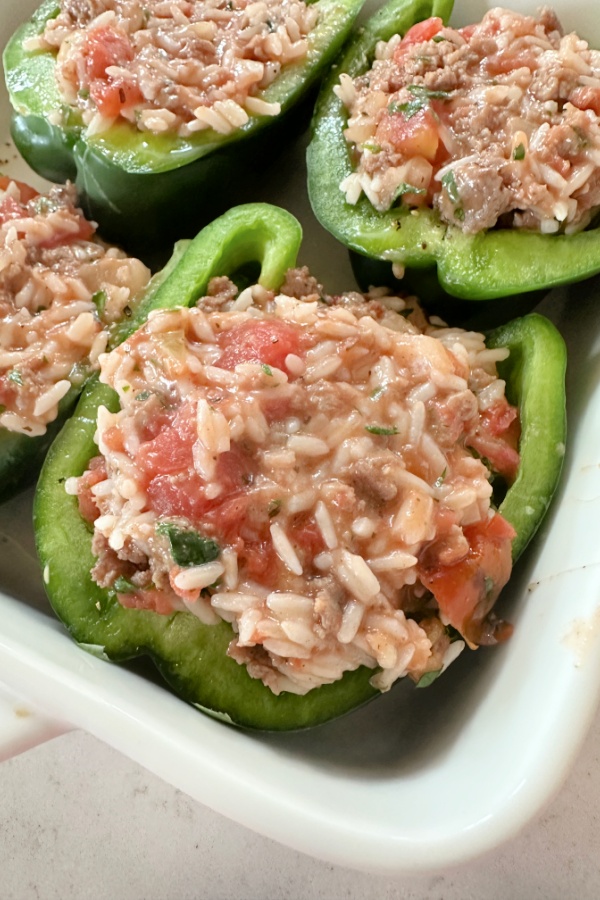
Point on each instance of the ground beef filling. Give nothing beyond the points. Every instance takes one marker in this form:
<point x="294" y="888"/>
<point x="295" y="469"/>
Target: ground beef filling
<point x="180" y="66"/>
<point x="493" y="124"/>
<point x="59" y="290"/>
<point x="310" y="469"/>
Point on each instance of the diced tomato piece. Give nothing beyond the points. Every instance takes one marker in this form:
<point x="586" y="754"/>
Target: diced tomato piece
<point x="11" y="209"/>
<point x="178" y="495"/>
<point x="26" y="192"/>
<point x="86" y="230"/>
<point x="422" y="31"/>
<point x="586" y="98"/>
<point x="466" y="591"/>
<point x="468" y="31"/>
<point x="414" y="136"/>
<point x="230" y="517"/>
<point x="266" y="341"/>
<point x="174" y="488"/>
<point x="8" y="392"/>
<point x="170" y="451"/>
<point x="508" y="61"/>
<point x="105" y="47"/>
<point x="259" y="559"/>
<point x="306" y="538"/>
<point x="153" y="600"/>
<point x="497" y="439"/>
<point x="275" y="409"/>
<point x="94" y="475"/>
<point x="111" y="97"/>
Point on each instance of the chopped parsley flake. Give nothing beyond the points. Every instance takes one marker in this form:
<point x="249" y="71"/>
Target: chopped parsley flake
<point x="439" y="481"/>
<point x="422" y="98"/>
<point x="405" y="188"/>
<point x="449" y="183"/>
<point x="267" y="369"/>
<point x="188" y="548"/>
<point x="273" y="507"/>
<point x="15" y="377"/>
<point x="428" y="678"/>
<point x="381" y="429"/>
<point x="124" y="586"/>
<point x="519" y="152"/>
<point x="99" y="301"/>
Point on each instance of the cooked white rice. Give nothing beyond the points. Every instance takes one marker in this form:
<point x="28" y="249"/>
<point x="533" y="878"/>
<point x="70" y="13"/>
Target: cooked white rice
<point x="326" y="497"/>
<point x="181" y="66"/>
<point x="53" y="278"/>
<point x="493" y="124"/>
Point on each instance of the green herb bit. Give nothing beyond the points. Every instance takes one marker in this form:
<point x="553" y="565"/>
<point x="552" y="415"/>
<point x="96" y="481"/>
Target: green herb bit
<point x="408" y="110"/>
<point x="43" y="205"/>
<point x="404" y="188"/>
<point x="372" y="147"/>
<point x="438" y="38"/>
<point x="419" y="90"/>
<point x="267" y="369"/>
<point x="124" y="586"/>
<point x="381" y="429"/>
<point x="440" y="480"/>
<point x="99" y="300"/>
<point x="83" y="93"/>
<point x="143" y="395"/>
<point x="428" y="678"/>
<point x="188" y="548"/>
<point x="422" y="98"/>
<point x="125" y="388"/>
<point x="449" y="183"/>
<point x="583" y="140"/>
<point x="377" y="392"/>
<point x="15" y="377"/>
<point x="273" y="507"/>
<point x="519" y="152"/>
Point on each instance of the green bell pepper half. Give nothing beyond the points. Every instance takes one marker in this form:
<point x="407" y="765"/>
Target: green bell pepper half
<point x="190" y="655"/>
<point x="495" y="263"/>
<point x="146" y="190"/>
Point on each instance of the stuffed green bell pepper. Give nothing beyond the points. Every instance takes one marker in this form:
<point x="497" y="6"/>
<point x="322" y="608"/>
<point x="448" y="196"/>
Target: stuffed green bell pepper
<point x="61" y="292"/>
<point x="162" y="116"/>
<point x="284" y="497"/>
<point x="472" y="153"/>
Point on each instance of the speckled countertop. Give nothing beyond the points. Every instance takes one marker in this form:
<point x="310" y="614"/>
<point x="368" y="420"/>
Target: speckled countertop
<point x="79" y="821"/>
